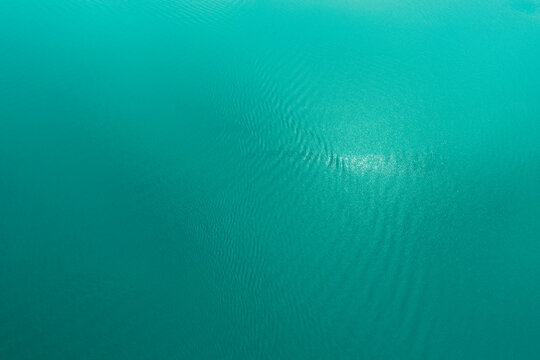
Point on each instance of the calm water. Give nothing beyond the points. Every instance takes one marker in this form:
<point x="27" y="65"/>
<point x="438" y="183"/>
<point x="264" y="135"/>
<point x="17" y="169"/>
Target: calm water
<point x="279" y="179"/>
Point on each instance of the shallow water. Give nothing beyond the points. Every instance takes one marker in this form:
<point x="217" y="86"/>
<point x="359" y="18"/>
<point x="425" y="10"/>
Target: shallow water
<point x="242" y="179"/>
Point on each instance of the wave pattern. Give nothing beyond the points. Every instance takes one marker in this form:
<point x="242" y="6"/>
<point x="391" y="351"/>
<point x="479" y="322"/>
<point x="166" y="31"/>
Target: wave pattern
<point x="269" y="179"/>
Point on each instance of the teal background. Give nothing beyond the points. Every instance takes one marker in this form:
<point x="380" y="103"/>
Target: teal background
<point x="309" y="179"/>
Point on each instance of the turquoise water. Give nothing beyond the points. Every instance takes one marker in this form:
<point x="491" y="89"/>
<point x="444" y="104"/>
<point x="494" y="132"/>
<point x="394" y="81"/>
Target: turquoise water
<point x="242" y="179"/>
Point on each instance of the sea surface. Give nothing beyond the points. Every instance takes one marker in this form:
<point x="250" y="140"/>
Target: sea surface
<point x="269" y="179"/>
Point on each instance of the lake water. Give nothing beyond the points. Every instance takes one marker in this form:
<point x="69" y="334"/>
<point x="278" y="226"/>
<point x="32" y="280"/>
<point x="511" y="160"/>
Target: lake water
<point x="277" y="179"/>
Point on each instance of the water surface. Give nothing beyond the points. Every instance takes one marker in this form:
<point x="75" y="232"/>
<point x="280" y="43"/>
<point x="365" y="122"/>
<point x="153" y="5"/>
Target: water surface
<point x="242" y="179"/>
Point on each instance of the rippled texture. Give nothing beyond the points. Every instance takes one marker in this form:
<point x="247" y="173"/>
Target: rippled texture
<point x="244" y="179"/>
